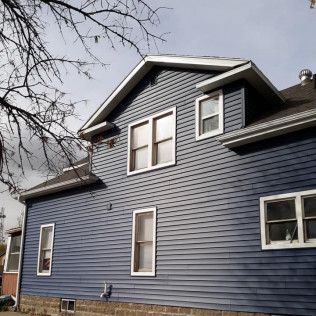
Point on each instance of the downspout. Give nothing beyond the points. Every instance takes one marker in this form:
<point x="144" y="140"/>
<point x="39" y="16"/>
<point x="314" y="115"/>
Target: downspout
<point x="18" y="286"/>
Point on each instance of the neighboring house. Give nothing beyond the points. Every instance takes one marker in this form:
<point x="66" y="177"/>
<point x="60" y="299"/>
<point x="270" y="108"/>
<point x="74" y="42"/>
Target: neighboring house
<point x="199" y="199"/>
<point x="12" y="260"/>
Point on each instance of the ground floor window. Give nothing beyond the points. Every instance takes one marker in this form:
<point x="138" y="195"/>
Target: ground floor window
<point x="144" y="242"/>
<point x="288" y="220"/>
<point x="45" y="251"/>
<point x="13" y="258"/>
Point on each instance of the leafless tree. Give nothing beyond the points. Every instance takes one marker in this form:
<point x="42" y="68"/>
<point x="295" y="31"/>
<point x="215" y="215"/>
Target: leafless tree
<point x="33" y="110"/>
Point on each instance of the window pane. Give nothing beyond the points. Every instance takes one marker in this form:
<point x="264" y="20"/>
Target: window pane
<point x="15" y="244"/>
<point x="164" y="127"/>
<point x="64" y="305"/>
<point x="209" y="107"/>
<point x="140" y="158"/>
<point x="145" y="227"/>
<point x="310" y="229"/>
<point x="71" y="306"/>
<point x="46" y="238"/>
<point x="210" y="124"/>
<point x="281" y="210"/>
<point x="140" y="136"/>
<point x="310" y="206"/>
<point x="13" y="262"/>
<point x="145" y="257"/>
<point x="164" y="151"/>
<point x="283" y="231"/>
<point x="45" y="260"/>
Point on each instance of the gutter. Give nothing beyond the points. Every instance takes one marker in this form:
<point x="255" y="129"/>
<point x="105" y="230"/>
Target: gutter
<point x="87" y="133"/>
<point x="269" y="129"/>
<point x="57" y="187"/>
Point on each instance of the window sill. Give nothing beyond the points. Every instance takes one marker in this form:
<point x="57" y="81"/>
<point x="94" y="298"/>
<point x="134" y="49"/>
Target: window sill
<point x="311" y="244"/>
<point x="208" y="135"/>
<point x="44" y="274"/>
<point x="143" y="273"/>
<point x="13" y="272"/>
<point x="168" y="164"/>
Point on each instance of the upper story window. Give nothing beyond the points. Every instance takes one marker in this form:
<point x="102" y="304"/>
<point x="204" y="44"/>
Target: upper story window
<point x="143" y="261"/>
<point x="288" y="220"/>
<point x="151" y="142"/>
<point x="13" y="257"/>
<point x="209" y="115"/>
<point x="45" y="250"/>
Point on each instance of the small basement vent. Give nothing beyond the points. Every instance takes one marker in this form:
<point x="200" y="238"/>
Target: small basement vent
<point x="67" y="305"/>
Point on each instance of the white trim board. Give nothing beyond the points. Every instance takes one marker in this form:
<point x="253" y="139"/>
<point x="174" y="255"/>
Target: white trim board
<point x="145" y="65"/>
<point x="252" y="74"/>
<point x="269" y="129"/>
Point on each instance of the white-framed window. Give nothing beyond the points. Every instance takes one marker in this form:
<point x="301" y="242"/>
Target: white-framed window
<point x="45" y="250"/>
<point x="209" y="119"/>
<point x="67" y="305"/>
<point x="288" y="220"/>
<point x="13" y="254"/>
<point x="143" y="258"/>
<point x="152" y="142"/>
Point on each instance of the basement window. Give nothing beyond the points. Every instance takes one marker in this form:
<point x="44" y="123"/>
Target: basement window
<point x="209" y="115"/>
<point x="45" y="250"/>
<point x="288" y="220"/>
<point x="67" y="305"/>
<point x="143" y="261"/>
<point x="151" y="142"/>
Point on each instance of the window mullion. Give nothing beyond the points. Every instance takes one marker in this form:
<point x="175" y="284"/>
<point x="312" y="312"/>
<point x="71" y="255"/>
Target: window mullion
<point x="150" y="143"/>
<point x="299" y="215"/>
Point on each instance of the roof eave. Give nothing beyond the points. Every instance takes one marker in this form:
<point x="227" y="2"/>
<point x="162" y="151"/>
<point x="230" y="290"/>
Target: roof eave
<point x="58" y="187"/>
<point x="88" y="133"/>
<point x="249" y="72"/>
<point x="269" y="129"/>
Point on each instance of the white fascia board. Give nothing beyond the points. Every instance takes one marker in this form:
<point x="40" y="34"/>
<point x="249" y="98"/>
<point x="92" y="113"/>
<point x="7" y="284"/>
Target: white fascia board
<point x="74" y="167"/>
<point x="252" y="74"/>
<point x="269" y="129"/>
<point x="87" y="133"/>
<point x="126" y="86"/>
<point x="57" y="187"/>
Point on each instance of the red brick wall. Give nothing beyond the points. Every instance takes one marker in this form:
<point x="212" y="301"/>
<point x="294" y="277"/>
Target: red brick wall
<point x="9" y="283"/>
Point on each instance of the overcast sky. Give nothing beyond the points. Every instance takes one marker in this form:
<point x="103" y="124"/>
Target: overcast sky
<point x="278" y="35"/>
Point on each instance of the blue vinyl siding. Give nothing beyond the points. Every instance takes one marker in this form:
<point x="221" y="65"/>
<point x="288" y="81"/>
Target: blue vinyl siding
<point x="208" y="229"/>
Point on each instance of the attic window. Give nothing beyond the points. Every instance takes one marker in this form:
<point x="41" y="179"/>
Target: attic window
<point x="209" y="115"/>
<point x="288" y="220"/>
<point x="151" y="143"/>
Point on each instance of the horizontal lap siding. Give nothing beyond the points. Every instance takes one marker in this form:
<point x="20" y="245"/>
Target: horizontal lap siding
<point x="208" y="230"/>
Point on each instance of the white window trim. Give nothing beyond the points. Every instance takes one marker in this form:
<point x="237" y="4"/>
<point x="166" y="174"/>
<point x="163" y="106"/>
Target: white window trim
<point x="49" y="273"/>
<point x="150" y="143"/>
<point x="301" y="243"/>
<point x="5" y="269"/>
<point x="153" y="270"/>
<point x="220" y="129"/>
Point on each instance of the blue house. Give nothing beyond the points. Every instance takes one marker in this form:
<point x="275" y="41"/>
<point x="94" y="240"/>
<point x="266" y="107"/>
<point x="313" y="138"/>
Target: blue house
<point x="199" y="198"/>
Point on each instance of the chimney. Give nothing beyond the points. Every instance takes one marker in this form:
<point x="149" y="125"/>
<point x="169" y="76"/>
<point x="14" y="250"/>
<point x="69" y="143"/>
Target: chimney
<point x="306" y="76"/>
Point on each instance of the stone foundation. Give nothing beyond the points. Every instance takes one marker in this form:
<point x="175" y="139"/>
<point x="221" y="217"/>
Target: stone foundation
<point x="40" y="305"/>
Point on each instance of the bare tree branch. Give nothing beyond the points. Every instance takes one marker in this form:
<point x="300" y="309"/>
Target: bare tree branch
<point x="33" y="110"/>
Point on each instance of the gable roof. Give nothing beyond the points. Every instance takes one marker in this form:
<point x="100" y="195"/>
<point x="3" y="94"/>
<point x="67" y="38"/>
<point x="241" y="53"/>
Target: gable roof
<point x="145" y="65"/>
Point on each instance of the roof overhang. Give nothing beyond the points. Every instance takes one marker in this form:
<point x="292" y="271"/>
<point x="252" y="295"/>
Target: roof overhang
<point x="14" y="230"/>
<point x="87" y="133"/>
<point x="285" y="125"/>
<point x="58" y="187"/>
<point x="249" y="72"/>
<point x="146" y="64"/>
